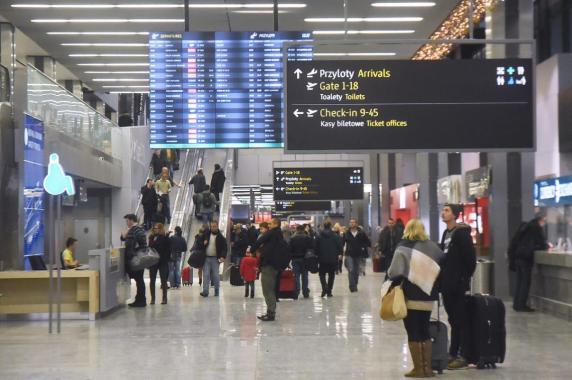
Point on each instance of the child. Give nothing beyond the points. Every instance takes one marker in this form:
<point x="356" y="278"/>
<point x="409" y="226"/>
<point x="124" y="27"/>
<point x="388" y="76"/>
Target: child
<point x="248" y="269"/>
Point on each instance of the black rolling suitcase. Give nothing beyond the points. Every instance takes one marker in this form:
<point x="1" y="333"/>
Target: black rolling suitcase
<point x="235" y="277"/>
<point x="488" y="331"/>
<point x="440" y="343"/>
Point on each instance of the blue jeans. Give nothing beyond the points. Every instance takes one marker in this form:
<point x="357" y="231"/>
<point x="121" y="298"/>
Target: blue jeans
<point x="300" y="271"/>
<point x="353" y="266"/>
<point x="166" y="208"/>
<point x="175" y="273"/>
<point x="211" y="272"/>
<point x="207" y="217"/>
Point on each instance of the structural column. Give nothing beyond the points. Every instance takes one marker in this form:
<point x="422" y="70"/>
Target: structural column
<point x="427" y="175"/>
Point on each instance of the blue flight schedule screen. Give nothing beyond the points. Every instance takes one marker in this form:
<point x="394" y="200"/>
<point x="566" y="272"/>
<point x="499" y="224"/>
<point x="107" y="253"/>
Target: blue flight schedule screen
<point x="219" y="89"/>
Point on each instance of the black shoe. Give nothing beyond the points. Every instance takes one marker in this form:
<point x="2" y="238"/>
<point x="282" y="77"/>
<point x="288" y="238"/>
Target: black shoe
<point x="267" y="318"/>
<point x="252" y="296"/>
<point x="527" y="309"/>
<point x="245" y="295"/>
<point x="324" y="293"/>
<point x="330" y="295"/>
<point x="203" y="294"/>
<point x="306" y="296"/>
<point x="216" y="293"/>
<point x="137" y="304"/>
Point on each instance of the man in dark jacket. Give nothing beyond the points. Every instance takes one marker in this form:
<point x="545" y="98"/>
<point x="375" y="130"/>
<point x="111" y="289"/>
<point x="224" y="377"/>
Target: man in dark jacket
<point x="457" y="269"/>
<point x="216" y="249"/>
<point x="134" y="237"/>
<point x="199" y="183"/>
<point x="252" y="233"/>
<point x="532" y="239"/>
<point x="329" y="249"/>
<point x="269" y="266"/>
<point x="356" y="244"/>
<point x="388" y="239"/>
<point x="238" y="244"/>
<point x="178" y="250"/>
<point x="300" y="243"/>
<point x="158" y="162"/>
<point x="149" y="200"/>
<point x="217" y="182"/>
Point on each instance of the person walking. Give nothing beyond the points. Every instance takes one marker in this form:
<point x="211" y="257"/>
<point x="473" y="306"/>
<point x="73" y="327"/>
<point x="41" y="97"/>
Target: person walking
<point x="158" y="162"/>
<point x="149" y="201"/>
<point x="338" y="229"/>
<point x="457" y="269"/>
<point x="216" y="247"/>
<point x="416" y="267"/>
<point x="389" y="237"/>
<point x="134" y="238"/>
<point x="248" y="271"/>
<point x="178" y="250"/>
<point x="238" y="244"/>
<point x="199" y="245"/>
<point x="532" y="239"/>
<point x="269" y="267"/>
<point x="356" y="244"/>
<point x="217" y="182"/>
<point x="329" y="249"/>
<point x="207" y="205"/>
<point x="161" y="243"/>
<point x="199" y="183"/>
<point x="300" y="243"/>
<point x="163" y="187"/>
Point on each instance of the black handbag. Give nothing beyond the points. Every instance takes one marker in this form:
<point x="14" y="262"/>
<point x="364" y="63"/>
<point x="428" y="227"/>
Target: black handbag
<point x="144" y="257"/>
<point x="197" y="259"/>
<point x="311" y="261"/>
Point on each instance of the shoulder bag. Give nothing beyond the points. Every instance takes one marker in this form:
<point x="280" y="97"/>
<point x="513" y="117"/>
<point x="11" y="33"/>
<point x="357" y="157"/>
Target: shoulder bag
<point x="393" y="307"/>
<point x="144" y="257"/>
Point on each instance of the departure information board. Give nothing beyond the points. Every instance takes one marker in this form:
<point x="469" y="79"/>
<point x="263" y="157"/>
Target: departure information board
<point x="458" y="105"/>
<point x="315" y="184"/>
<point x="219" y="89"/>
<point x="287" y="206"/>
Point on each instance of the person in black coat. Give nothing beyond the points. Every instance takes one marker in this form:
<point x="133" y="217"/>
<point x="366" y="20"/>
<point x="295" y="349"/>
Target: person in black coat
<point x="252" y="234"/>
<point x="457" y="269"/>
<point x="158" y="162"/>
<point x="134" y="238"/>
<point x="199" y="183"/>
<point x="532" y="239"/>
<point x="389" y="237"/>
<point x="356" y="242"/>
<point x="300" y="243"/>
<point x="238" y="244"/>
<point x="329" y="249"/>
<point x="178" y="250"/>
<point x="149" y="201"/>
<point x="216" y="249"/>
<point x="217" y="182"/>
<point x="161" y="243"/>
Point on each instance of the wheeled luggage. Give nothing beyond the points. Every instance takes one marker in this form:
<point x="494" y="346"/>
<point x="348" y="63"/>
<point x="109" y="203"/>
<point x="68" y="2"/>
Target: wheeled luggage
<point x="439" y="338"/>
<point x="287" y="285"/>
<point x="376" y="260"/>
<point x="488" y="331"/>
<point x="186" y="276"/>
<point x="235" y="277"/>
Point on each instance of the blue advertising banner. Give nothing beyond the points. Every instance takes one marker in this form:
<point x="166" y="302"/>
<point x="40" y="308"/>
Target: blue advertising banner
<point x="34" y="198"/>
<point x="553" y="192"/>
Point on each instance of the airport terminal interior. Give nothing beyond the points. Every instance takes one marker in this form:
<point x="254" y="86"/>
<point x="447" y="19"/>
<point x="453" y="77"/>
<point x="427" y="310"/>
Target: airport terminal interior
<point x="298" y="189"/>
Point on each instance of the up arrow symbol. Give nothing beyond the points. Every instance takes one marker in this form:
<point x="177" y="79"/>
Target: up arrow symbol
<point x="298" y="72"/>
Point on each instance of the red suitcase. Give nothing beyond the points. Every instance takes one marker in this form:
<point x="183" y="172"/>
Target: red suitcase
<point x="377" y="264"/>
<point x="287" y="285"/>
<point x="186" y="276"/>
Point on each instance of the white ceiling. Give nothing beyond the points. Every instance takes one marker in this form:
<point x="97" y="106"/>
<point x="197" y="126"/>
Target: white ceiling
<point x="205" y="20"/>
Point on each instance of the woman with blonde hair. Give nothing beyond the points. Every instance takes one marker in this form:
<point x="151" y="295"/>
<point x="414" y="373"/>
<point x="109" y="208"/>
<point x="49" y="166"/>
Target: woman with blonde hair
<point x="161" y="243"/>
<point x="416" y="266"/>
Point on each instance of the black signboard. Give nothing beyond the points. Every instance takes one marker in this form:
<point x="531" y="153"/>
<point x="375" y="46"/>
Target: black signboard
<point x="477" y="183"/>
<point x="313" y="184"/>
<point x="287" y="206"/>
<point x="460" y="105"/>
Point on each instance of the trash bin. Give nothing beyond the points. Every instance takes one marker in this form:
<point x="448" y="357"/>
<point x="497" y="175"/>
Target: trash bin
<point x="481" y="282"/>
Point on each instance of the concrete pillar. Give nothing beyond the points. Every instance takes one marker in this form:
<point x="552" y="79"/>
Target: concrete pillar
<point x="45" y="64"/>
<point x="74" y="86"/>
<point x="387" y="181"/>
<point x="375" y="207"/>
<point x="427" y="174"/>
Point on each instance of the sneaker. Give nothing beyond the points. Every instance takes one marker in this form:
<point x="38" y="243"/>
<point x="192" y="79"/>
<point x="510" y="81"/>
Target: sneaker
<point x="267" y="318"/>
<point x="459" y="363"/>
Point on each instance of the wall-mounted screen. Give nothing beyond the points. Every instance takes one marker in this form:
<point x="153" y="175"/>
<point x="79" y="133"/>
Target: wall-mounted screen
<point x="314" y="184"/>
<point x="287" y="206"/>
<point x="219" y="89"/>
<point x="455" y="105"/>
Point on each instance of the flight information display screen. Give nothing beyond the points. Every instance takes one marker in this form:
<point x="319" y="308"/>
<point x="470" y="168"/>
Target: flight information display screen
<point x="286" y="206"/>
<point x="316" y="184"/>
<point x="219" y="89"/>
<point x="456" y="105"/>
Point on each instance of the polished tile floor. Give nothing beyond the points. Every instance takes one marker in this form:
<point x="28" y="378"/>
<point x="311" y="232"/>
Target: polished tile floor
<point x="220" y="338"/>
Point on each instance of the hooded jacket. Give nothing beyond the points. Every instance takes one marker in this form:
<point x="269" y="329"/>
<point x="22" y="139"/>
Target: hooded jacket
<point x="328" y="247"/>
<point x="460" y="260"/>
<point x="217" y="181"/>
<point x="299" y="244"/>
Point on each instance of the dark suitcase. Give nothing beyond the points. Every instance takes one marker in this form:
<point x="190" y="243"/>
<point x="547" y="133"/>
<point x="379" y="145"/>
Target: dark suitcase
<point x="376" y="264"/>
<point x="287" y="285"/>
<point x="488" y="331"/>
<point x="235" y="277"/>
<point x="440" y="339"/>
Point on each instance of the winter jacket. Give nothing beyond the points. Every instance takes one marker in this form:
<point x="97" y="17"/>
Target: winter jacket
<point x="328" y="247"/>
<point x="532" y="239"/>
<point x="240" y="243"/>
<point x="217" y="181"/>
<point x="252" y="235"/>
<point x="460" y="260"/>
<point x="162" y="245"/>
<point x="268" y="243"/>
<point x="356" y="246"/>
<point x="135" y="238"/>
<point x="158" y="163"/>
<point x="178" y="246"/>
<point x="149" y="198"/>
<point x="299" y="244"/>
<point x="221" y="245"/>
<point x="388" y="240"/>
<point x="248" y="268"/>
<point x="202" y="208"/>
<point x="199" y="182"/>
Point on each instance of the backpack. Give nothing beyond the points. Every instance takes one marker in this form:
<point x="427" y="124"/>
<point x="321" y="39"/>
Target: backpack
<point x="207" y="201"/>
<point x="515" y="244"/>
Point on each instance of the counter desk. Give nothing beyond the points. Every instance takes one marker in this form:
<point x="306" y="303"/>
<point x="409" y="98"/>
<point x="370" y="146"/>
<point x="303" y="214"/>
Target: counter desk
<point x="551" y="289"/>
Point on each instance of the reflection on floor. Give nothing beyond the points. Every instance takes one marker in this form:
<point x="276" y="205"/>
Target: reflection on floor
<point x="220" y="338"/>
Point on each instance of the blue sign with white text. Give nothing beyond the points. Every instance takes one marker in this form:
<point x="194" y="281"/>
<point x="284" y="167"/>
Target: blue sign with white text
<point x="553" y="192"/>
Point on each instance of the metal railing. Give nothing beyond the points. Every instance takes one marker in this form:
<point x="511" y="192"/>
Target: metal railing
<point x="225" y="223"/>
<point x="139" y="209"/>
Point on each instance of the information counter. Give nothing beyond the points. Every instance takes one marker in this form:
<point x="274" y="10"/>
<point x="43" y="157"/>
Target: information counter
<point x="113" y="287"/>
<point x="552" y="283"/>
<point x="27" y="293"/>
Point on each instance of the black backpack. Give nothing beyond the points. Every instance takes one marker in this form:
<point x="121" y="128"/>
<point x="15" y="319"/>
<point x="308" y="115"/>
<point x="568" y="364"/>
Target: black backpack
<point x="515" y="244"/>
<point x="283" y="255"/>
<point x="207" y="200"/>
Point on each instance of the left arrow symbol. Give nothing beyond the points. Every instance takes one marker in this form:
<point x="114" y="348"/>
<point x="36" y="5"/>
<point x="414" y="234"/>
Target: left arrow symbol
<point x="298" y="113"/>
<point x="298" y="72"/>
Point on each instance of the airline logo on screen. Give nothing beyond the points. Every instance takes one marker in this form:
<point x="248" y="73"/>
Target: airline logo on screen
<point x="511" y="76"/>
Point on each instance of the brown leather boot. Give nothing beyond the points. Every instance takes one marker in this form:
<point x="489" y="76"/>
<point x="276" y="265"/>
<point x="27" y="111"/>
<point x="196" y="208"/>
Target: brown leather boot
<point x="427" y="351"/>
<point x="164" y="296"/>
<point x="415" y="349"/>
<point x="152" y="289"/>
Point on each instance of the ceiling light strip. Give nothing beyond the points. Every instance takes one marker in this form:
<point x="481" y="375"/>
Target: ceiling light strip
<point x="159" y="6"/>
<point x="92" y="55"/>
<point x="357" y="54"/>
<point x="115" y="64"/>
<point x="116" y="72"/>
<point x="98" y="33"/>
<point x="337" y="32"/>
<point x="118" y="44"/>
<point x="404" y="4"/>
<point x="363" y="19"/>
<point x="120" y="80"/>
<point x="107" y="20"/>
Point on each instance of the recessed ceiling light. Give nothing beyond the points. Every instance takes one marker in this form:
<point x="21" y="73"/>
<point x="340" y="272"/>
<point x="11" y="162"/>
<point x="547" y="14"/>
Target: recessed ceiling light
<point x="334" y="32"/>
<point x="259" y="12"/>
<point x="115" y="64"/>
<point x="107" y="55"/>
<point x="248" y="5"/>
<point x="120" y="80"/>
<point x="364" y="19"/>
<point x="98" y="33"/>
<point x="118" y="44"/>
<point x="404" y="4"/>
<point x="116" y="72"/>
<point x="120" y="86"/>
<point x="165" y="6"/>
<point x="107" y="20"/>
<point x="371" y="54"/>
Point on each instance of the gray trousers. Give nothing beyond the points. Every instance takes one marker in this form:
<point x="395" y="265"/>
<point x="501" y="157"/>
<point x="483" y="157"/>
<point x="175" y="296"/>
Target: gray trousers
<point x="268" y="278"/>
<point x="354" y="267"/>
<point x="211" y="272"/>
